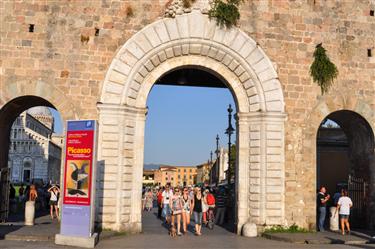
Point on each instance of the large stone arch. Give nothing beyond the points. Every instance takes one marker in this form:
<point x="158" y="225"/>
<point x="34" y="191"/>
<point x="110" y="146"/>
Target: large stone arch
<point x="191" y="40"/>
<point x="325" y="106"/>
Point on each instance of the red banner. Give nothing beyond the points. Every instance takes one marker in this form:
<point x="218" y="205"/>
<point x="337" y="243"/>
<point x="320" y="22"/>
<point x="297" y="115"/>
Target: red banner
<point x="78" y="167"/>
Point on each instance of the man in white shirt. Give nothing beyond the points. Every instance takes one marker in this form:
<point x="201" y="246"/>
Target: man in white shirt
<point x="167" y="194"/>
<point x="343" y="205"/>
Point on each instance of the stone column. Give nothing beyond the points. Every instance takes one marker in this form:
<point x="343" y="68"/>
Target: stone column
<point x="265" y="172"/>
<point x="120" y="153"/>
<point x="242" y="171"/>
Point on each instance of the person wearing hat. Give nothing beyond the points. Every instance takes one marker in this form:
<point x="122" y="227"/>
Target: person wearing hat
<point x="54" y="191"/>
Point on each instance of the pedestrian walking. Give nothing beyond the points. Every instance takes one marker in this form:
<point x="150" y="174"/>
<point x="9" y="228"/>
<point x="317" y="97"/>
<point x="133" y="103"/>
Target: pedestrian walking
<point x="221" y="201"/>
<point x="187" y="203"/>
<point x="166" y="212"/>
<point x="322" y="200"/>
<point x="197" y="210"/>
<point x="176" y="208"/>
<point x="149" y="199"/>
<point x="159" y="198"/>
<point x="53" y="201"/>
<point x="205" y="206"/>
<point x="343" y="206"/>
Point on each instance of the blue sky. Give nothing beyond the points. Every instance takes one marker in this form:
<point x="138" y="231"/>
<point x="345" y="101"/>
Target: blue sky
<point x="182" y="124"/>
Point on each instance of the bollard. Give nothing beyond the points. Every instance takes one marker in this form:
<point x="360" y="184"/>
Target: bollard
<point x="29" y="213"/>
<point x="333" y="219"/>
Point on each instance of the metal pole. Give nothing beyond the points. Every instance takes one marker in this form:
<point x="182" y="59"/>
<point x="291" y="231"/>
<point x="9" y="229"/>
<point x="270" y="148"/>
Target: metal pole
<point x="217" y="173"/>
<point x="229" y="132"/>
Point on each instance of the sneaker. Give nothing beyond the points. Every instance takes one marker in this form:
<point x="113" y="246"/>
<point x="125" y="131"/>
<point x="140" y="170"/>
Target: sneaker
<point x="179" y="234"/>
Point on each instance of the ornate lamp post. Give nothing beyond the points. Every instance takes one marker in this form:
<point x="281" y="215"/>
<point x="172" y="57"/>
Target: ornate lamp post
<point x="217" y="151"/>
<point x="229" y="131"/>
<point x="211" y="156"/>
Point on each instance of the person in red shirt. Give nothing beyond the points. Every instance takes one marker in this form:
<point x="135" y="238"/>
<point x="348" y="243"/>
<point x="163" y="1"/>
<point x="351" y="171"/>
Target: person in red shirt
<point x="160" y="201"/>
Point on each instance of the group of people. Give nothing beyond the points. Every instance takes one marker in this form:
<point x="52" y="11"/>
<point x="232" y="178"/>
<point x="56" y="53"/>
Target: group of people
<point x="176" y="206"/>
<point x="30" y="193"/>
<point x="341" y="201"/>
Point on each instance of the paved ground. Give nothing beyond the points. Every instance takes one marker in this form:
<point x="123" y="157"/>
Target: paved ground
<point x="44" y="228"/>
<point x="156" y="236"/>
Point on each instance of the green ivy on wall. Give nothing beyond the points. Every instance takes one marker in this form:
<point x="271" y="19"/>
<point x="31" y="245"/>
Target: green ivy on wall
<point x="226" y="12"/>
<point x="322" y="70"/>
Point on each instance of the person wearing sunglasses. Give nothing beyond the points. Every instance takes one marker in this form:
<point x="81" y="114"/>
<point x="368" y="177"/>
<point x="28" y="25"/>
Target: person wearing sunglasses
<point x="176" y="206"/>
<point x="187" y="203"/>
<point x="197" y="210"/>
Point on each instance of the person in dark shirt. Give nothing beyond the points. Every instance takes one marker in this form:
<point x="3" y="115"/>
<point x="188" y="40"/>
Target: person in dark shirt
<point x="221" y="201"/>
<point x="21" y="190"/>
<point x="12" y="192"/>
<point x="322" y="200"/>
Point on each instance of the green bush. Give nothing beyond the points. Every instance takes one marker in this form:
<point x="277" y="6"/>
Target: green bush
<point x="322" y="70"/>
<point x="226" y="12"/>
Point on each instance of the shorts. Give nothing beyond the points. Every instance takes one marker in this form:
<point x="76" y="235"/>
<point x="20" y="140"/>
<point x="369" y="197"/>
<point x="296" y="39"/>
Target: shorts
<point x="166" y="210"/>
<point x="198" y="217"/>
<point x="344" y="216"/>
<point x="53" y="203"/>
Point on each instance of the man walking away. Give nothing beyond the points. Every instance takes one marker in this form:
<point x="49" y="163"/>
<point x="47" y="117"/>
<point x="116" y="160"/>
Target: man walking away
<point x="322" y="200"/>
<point x="220" y="206"/>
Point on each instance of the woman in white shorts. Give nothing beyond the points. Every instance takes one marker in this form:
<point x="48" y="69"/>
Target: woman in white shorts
<point x="186" y="201"/>
<point x="343" y="205"/>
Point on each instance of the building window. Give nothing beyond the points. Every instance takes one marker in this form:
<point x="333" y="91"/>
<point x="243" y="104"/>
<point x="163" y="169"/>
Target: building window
<point x="190" y="177"/>
<point x="171" y="178"/>
<point x="191" y="170"/>
<point x="166" y="178"/>
<point x="15" y="134"/>
<point x="179" y="176"/>
<point x="185" y="170"/>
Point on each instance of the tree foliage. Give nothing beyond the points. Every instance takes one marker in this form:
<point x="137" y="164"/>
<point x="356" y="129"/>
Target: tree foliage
<point x="322" y="70"/>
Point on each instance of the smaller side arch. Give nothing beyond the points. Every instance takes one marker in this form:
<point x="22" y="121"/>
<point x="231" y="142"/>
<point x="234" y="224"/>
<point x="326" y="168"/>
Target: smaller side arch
<point x="323" y="108"/>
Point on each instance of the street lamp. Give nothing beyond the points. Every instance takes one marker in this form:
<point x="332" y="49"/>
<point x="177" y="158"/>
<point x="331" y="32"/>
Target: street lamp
<point x="229" y="131"/>
<point x="211" y="156"/>
<point x="217" y="159"/>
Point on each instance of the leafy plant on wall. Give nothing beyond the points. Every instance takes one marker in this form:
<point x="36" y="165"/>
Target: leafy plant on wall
<point x="226" y="12"/>
<point x="322" y="70"/>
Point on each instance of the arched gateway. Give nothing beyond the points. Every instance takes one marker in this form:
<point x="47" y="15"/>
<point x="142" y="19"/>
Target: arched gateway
<point x="191" y="40"/>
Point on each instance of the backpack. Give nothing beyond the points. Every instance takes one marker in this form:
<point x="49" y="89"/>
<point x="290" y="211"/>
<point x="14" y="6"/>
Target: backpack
<point x="210" y="199"/>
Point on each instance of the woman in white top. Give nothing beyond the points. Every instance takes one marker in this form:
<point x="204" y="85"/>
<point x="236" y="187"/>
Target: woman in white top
<point x="54" y="191"/>
<point x="343" y="205"/>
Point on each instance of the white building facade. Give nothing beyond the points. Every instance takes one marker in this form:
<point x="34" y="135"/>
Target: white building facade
<point x="34" y="152"/>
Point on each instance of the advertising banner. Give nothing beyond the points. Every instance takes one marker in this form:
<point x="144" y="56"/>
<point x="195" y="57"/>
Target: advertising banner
<point x="79" y="173"/>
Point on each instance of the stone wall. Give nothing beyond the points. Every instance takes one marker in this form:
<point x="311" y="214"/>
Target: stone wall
<point x="288" y="32"/>
<point x="66" y="58"/>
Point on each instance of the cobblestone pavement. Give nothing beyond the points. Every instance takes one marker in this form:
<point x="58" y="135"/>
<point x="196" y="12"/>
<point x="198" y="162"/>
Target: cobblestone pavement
<point x="155" y="236"/>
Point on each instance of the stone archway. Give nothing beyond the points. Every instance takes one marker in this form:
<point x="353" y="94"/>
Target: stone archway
<point x="327" y="105"/>
<point x="195" y="41"/>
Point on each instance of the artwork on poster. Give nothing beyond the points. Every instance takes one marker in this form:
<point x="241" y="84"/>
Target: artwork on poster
<point x="77" y="184"/>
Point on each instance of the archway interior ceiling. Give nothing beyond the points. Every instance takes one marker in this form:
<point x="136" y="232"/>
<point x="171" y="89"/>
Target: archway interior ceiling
<point x="190" y="77"/>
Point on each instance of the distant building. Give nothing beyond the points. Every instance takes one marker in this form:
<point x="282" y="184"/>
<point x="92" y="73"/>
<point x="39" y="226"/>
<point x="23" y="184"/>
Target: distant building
<point x="34" y="151"/>
<point x="148" y="177"/>
<point x="219" y="168"/>
<point x="203" y="172"/>
<point x="176" y="175"/>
